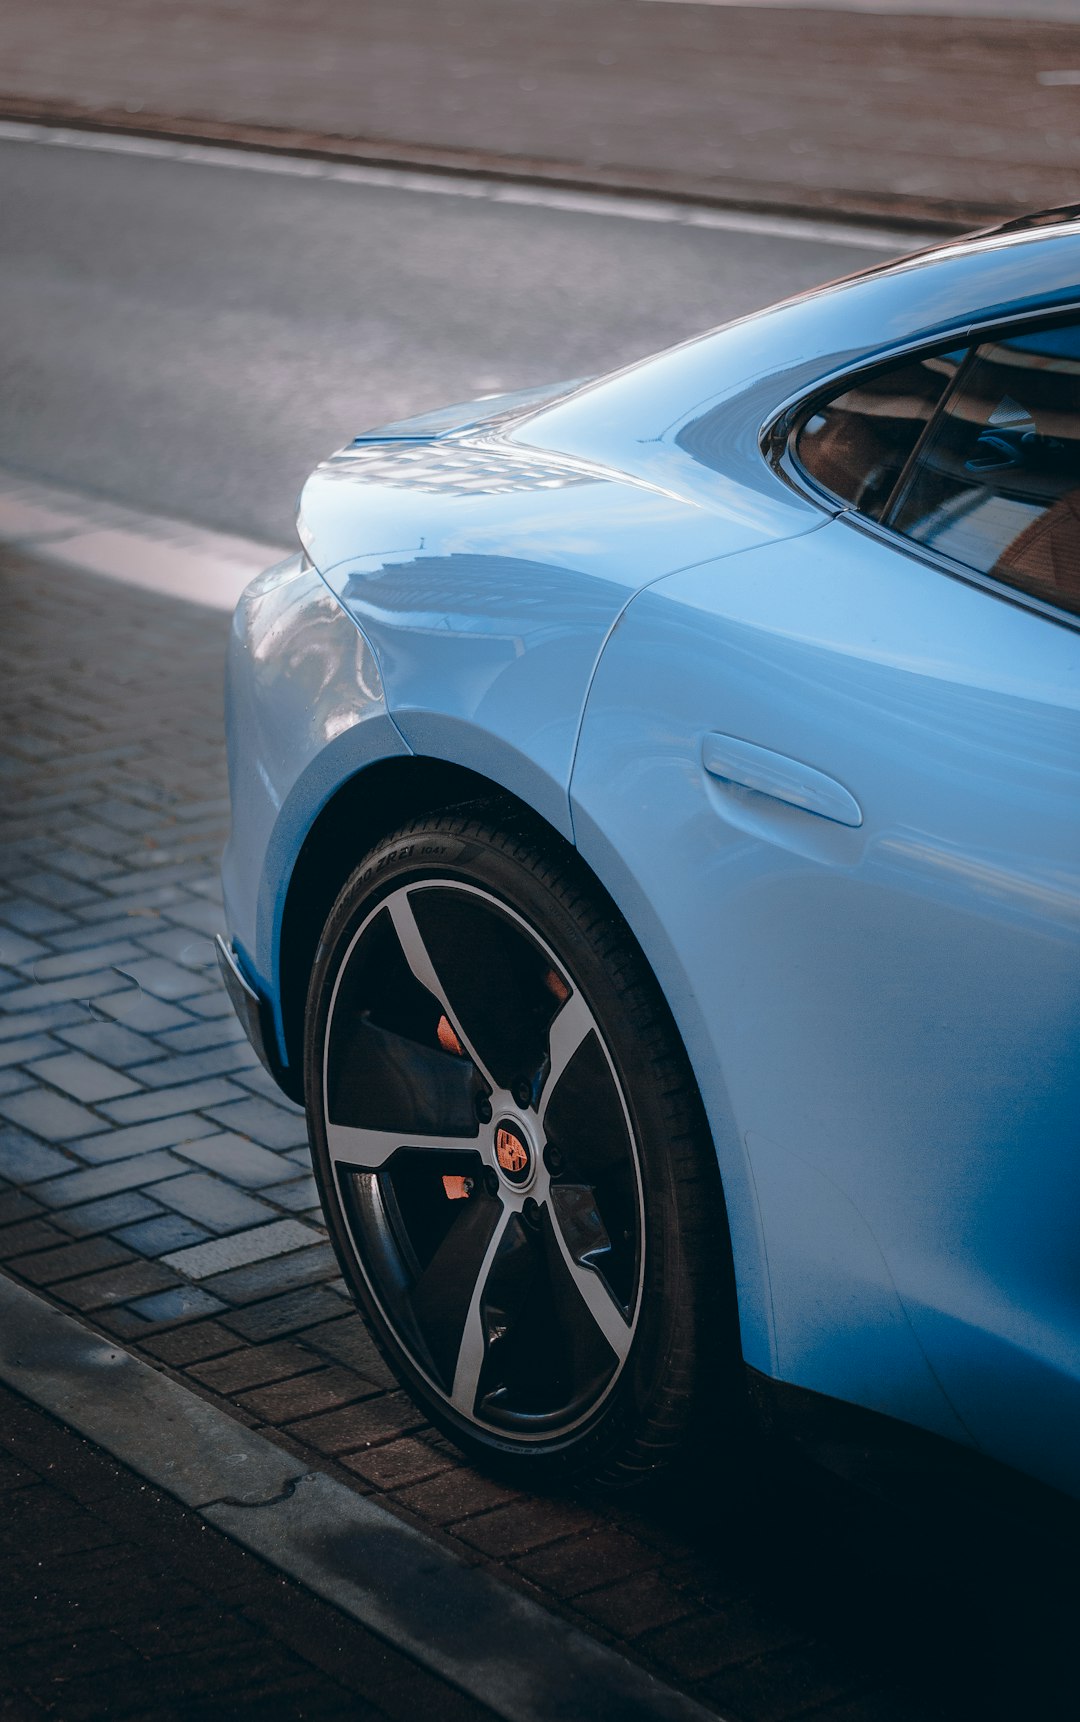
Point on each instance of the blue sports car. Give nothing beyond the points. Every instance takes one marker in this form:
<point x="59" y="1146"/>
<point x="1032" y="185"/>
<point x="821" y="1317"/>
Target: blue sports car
<point x="656" y="867"/>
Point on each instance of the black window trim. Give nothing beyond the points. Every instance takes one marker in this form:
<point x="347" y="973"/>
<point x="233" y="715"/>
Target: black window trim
<point x="904" y="477"/>
<point x="779" y="436"/>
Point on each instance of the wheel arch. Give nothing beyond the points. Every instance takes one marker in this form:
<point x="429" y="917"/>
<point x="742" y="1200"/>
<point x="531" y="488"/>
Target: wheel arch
<point x="362" y="809"/>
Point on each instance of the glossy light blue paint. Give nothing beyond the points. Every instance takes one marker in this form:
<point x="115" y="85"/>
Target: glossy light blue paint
<point x="885" y="1016"/>
<point x="834" y="791"/>
<point x="503" y="573"/>
<point x="304" y="712"/>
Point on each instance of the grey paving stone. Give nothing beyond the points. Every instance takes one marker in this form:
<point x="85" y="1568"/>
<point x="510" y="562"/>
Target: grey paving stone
<point x="289" y="1312"/>
<point x="112" y="1211"/>
<point x="212" y="1202"/>
<point x="141" y="903"/>
<point x="159" y="1102"/>
<point x="120" y="1047"/>
<point x="209" y="885"/>
<point x="52" y="1266"/>
<point x="22" y="1051"/>
<point x="254" y="1366"/>
<point x="183" y="945"/>
<point x="26" y="916"/>
<point x="152" y="878"/>
<point x="139" y="1011"/>
<point x="96" y="1181"/>
<point x="16" y="1205"/>
<point x="14" y="1081"/>
<point x="272" y="1126"/>
<point x="19" y="1025"/>
<point x="166" y="980"/>
<point x="56" y="891"/>
<point x="16" y="949"/>
<point x="82" y="1077"/>
<point x="201" y="917"/>
<point x="242" y="1248"/>
<point x="180" y="1304"/>
<point x="302" y="1267"/>
<point x="194" y="1343"/>
<point x="375" y="1419"/>
<point x="165" y="1232"/>
<point x="24" y="1161"/>
<point x="406" y="1460"/>
<point x="117" y="1285"/>
<point x="50" y="1115"/>
<point x="102" y="838"/>
<point x="179" y="1128"/>
<point x="348" y="1341"/>
<point x="198" y="1035"/>
<point x="305" y="1395"/>
<point x="241" y="1161"/>
<point x="84" y="962"/>
<point x="79" y="864"/>
<point x="259" y="1082"/>
<point x="124" y="815"/>
<point x="300" y="1197"/>
<point x="90" y="933"/>
<point x="217" y="804"/>
<point x="26" y="1236"/>
<point x="94" y="985"/>
<point x="211" y="1004"/>
<point x="233" y="1057"/>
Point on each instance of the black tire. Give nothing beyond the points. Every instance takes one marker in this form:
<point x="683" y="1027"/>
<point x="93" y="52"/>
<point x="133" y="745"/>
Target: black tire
<point x="582" y="1330"/>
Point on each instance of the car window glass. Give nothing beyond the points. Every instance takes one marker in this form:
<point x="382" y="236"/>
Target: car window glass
<point x="858" y="444"/>
<point x="997" y="482"/>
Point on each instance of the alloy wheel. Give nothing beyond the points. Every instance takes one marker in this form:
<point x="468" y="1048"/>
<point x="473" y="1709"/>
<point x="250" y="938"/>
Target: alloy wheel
<point x="482" y="1153"/>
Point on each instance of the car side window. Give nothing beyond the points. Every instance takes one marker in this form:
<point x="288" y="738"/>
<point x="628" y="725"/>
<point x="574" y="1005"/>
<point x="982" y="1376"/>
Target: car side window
<point x="996" y="484"/>
<point x="858" y="444"/>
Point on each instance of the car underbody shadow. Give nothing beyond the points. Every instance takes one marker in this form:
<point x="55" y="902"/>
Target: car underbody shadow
<point x="943" y="1584"/>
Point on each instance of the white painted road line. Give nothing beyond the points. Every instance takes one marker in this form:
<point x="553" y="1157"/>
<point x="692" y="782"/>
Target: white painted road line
<point x="95" y="537"/>
<point x="635" y="207"/>
<point x="491" y="1642"/>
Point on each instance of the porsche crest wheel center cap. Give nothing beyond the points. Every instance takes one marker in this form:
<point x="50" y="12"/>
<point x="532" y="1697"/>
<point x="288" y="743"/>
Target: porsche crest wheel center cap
<point x="513" y="1154"/>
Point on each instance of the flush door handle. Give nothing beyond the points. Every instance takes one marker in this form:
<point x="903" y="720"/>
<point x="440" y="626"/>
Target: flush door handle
<point x="747" y="766"/>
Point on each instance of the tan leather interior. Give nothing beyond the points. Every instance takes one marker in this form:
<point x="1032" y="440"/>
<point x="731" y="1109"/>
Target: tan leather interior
<point x="1044" y="559"/>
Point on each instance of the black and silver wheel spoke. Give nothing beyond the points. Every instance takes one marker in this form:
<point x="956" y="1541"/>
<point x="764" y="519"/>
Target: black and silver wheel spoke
<point x="446" y="1296"/>
<point x="591" y="1288"/>
<point x="477" y="1334"/>
<point x="568" y="1032"/>
<point x="359" y="1149"/>
<point x="418" y="957"/>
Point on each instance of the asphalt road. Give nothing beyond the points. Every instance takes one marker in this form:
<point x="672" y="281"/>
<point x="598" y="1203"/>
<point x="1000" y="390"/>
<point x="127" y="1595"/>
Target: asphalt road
<point x="191" y="339"/>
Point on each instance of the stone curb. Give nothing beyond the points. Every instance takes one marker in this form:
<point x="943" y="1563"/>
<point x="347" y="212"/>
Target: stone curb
<point x="493" y="1644"/>
<point x="916" y="215"/>
<point x="116" y="542"/>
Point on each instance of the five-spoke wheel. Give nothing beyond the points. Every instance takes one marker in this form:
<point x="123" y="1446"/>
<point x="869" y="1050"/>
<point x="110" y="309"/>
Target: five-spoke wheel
<point x="475" y="1115"/>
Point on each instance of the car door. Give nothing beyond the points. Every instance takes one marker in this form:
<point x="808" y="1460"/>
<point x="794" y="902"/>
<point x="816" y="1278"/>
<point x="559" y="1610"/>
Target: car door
<point x="835" y="787"/>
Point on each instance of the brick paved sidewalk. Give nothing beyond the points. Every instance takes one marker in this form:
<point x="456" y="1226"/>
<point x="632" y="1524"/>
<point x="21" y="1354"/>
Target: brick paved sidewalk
<point x="152" y="1180"/>
<point x="120" y="1603"/>
<point x="879" y="115"/>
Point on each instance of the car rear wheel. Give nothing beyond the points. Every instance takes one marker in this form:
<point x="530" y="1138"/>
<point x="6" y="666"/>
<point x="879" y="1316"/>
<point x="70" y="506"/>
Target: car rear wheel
<point x="512" y="1156"/>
